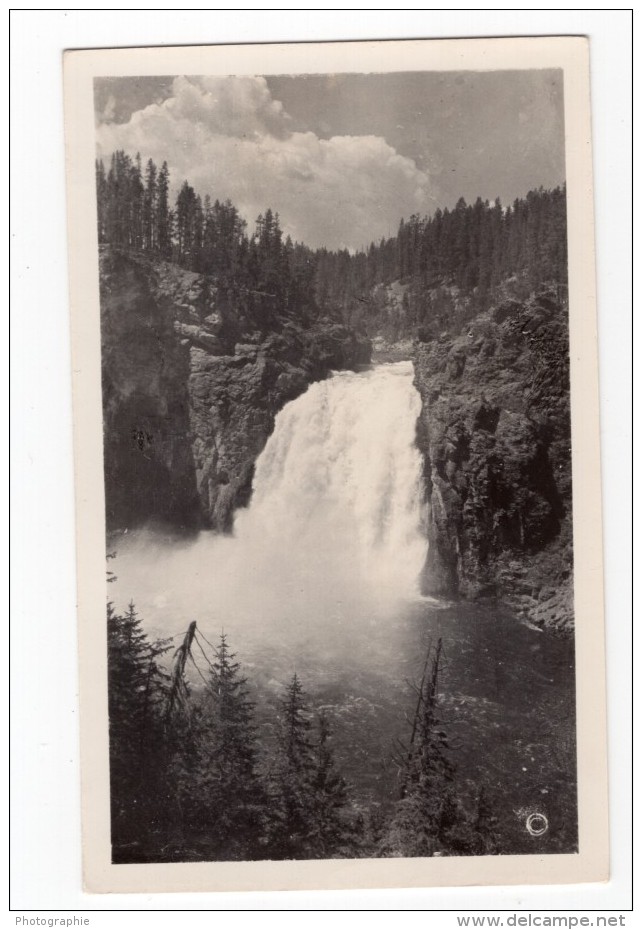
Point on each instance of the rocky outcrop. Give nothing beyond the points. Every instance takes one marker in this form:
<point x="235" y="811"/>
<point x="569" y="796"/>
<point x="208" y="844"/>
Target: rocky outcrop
<point x="495" y="434"/>
<point x="192" y="381"/>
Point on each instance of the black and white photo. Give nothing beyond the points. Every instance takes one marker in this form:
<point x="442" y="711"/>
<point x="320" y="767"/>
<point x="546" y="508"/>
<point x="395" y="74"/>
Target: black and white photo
<point x="334" y="340"/>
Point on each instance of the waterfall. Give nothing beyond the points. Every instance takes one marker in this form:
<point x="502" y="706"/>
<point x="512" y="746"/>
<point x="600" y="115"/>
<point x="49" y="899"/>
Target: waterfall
<point x="337" y="490"/>
<point x="332" y="535"/>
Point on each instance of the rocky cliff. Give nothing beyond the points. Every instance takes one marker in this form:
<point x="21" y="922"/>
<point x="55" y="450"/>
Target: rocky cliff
<point x="192" y="380"/>
<point x="495" y="434"/>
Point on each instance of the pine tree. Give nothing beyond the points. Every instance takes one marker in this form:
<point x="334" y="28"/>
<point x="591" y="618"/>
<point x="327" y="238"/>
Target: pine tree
<point x="431" y="817"/>
<point x="137" y="692"/>
<point x="311" y="813"/>
<point x="296" y="726"/>
<point x="292" y="814"/>
<point x="101" y="201"/>
<point x="333" y="821"/>
<point x="162" y="213"/>
<point x="184" y="222"/>
<point x="136" y="195"/>
<point x="232" y="712"/>
<point x="427" y="808"/>
<point x="222" y="796"/>
<point x="151" y="195"/>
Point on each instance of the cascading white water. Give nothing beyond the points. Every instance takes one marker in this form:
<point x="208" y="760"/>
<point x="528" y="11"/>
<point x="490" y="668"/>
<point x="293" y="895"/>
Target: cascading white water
<point x="337" y="491"/>
<point x="333" y="531"/>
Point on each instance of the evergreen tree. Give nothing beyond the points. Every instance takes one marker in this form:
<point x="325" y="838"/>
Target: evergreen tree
<point x="151" y="206"/>
<point x="292" y="817"/>
<point x="333" y="822"/>
<point x="136" y="699"/>
<point x="163" y="224"/>
<point x="221" y="794"/>
<point x="311" y="816"/>
<point x="137" y="194"/>
<point x="186" y="210"/>
<point x="102" y="200"/>
<point x="427" y="809"/>
<point x="431" y="817"/>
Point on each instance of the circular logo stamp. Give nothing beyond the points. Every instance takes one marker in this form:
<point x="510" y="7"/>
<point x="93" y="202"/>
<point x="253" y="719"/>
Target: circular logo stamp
<point x="537" y="824"/>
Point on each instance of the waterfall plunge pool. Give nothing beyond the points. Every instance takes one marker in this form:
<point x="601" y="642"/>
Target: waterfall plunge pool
<point x="320" y="576"/>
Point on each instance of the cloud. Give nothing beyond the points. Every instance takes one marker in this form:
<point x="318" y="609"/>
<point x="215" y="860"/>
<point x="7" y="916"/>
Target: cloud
<point x="230" y="138"/>
<point x="241" y="106"/>
<point x="109" y="112"/>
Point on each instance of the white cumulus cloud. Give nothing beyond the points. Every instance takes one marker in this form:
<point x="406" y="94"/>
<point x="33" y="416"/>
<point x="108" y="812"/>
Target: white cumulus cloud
<point x="230" y="138"/>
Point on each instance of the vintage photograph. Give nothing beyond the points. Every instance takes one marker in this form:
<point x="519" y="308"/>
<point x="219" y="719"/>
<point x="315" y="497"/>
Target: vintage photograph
<point x="337" y="463"/>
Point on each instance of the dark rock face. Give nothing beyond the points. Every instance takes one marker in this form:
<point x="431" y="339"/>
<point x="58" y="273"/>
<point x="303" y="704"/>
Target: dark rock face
<point x="191" y="387"/>
<point x="149" y="468"/>
<point x="495" y="434"/>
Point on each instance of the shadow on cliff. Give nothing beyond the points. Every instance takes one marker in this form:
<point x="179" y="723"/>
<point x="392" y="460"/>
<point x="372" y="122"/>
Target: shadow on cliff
<point x="495" y="435"/>
<point x="193" y="377"/>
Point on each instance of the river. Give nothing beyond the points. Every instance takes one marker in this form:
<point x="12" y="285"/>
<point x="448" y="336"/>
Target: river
<point x="321" y="577"/>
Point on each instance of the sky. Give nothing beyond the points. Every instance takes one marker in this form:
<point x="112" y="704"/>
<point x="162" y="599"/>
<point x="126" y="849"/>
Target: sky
<point x="342" y="158"/>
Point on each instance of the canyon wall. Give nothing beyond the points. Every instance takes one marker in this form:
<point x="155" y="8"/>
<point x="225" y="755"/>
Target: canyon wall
<point x="495" y="435"/>
<point x="192" y="380"/>
<point x="193" y="377"/>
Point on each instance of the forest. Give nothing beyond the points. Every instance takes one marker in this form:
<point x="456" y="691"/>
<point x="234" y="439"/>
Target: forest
<point x="193" y="780"/>
<point x="449" y="264"/>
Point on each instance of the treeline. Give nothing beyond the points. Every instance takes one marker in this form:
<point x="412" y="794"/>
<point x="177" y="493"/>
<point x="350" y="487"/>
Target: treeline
<point x="454" y="257"/>
<point x="470" y="247"/>
<point x="192" y="781"/>
<point x="200" y="234"/>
